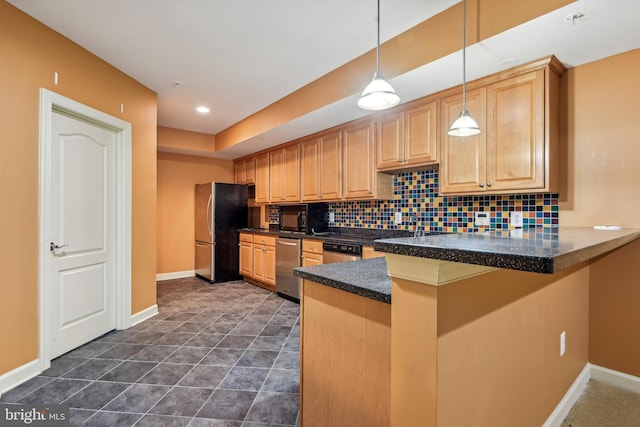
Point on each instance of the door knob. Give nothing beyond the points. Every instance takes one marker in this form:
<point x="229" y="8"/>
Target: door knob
<point x="53" y="246"/>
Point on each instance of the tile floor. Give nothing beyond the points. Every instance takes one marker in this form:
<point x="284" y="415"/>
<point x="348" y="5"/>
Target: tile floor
<point x="223" y="355"/>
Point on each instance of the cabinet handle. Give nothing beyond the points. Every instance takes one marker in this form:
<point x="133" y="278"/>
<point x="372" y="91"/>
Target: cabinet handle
<point x="481" y="185"/>
<point x="488" y="184"/>
<point x="400" y="160"/>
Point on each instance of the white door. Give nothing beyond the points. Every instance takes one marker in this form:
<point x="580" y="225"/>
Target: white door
<point x="82" y="233"/>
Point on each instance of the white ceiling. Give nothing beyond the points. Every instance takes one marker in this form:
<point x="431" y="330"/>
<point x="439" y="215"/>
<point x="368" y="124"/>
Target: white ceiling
<point x="239" y="57"/>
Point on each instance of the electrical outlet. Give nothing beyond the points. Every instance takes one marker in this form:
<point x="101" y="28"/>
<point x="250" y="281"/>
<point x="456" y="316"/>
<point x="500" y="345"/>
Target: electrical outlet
<point x="515" y="219"/>
<point x="332" y="217"/>
<point x="563" y="344"/>
<point x="398" y="218"/>
<point x="482" y="218"/>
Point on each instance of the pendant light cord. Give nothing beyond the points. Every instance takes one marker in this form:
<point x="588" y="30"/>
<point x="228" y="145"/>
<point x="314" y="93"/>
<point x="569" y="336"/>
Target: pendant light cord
<point x="464" y="59"/>
<point x="378" y="44"/>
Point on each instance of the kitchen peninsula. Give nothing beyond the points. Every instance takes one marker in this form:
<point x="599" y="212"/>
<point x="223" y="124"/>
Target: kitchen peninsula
<point x="471" y="333"/>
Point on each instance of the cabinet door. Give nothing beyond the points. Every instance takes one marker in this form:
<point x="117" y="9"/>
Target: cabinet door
<point x="368" y="252"/>
<point x="358" y="161"/>
<point x="331" y="166"/>
<point x="390" y="141"/>
<point x="310" y="170"/>
<point x="262" y="178"/>
<point x="420" y="136"/>
<point x="246" y="259"/>
<point x="309" y="258"/>
<point x="291" y="173"/>
<point x="515" y="133"/>
<point x="259" y="262"/>
<point x="463" y="163"/>
<point x="250" y="170"/>
<point x="269" y="265"/>
<point x="276" y="173"/>
<point x="239" y="172"/>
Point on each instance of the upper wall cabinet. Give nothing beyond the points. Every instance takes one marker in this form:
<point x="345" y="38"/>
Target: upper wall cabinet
<point x="262" y="178"/>
<point x="284" y="171"/>
<point x="408" y="139"/>
<point x="360" y="179"/>
<point x="321" y="168"/>
<point x="245" y="171"/>
<point x="517" y="150"/>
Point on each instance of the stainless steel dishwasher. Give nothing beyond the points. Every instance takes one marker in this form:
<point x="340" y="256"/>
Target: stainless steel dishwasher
<point x="288" y="255"/>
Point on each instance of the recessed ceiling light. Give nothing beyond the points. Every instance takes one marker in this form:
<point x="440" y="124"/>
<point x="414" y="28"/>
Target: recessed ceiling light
<point x="202" y="109"/>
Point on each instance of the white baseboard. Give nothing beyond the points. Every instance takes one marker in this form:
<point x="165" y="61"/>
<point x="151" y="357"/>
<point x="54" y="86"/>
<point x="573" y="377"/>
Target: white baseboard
<point x="570" y="398"/>
<point x="175" y="275"/>
<point x="616" y="378"/>
<point x="143" y="315"/>
<point x="19" y="375"/>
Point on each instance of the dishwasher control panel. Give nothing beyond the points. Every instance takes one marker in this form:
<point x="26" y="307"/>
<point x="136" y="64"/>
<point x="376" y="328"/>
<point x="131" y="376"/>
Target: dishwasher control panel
<point x="343" y="248"/>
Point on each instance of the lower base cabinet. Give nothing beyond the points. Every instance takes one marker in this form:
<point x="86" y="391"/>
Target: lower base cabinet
<point x="345" y="371"/>
<point x="258" y="260"/>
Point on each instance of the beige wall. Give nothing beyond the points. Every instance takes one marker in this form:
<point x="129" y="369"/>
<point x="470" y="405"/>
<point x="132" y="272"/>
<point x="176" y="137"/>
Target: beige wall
<point x="31" y="53"/>
<point x="177" y="139"/>
<point x="177" y="176"/>
<point x="602" y="168"/>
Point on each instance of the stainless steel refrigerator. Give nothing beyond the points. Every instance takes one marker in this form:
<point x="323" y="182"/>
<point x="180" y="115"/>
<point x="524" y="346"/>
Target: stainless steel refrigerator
<point x="221" y="210"/>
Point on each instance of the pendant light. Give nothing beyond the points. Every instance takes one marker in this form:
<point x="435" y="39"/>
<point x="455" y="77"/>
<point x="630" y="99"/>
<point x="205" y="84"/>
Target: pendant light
<point x="464" y="124"/>
<point x="378" y="95"/>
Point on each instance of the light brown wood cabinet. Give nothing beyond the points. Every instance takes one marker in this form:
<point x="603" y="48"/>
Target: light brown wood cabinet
<point x="258" y="259"/>
<point x="284" y="184"/>
<point x="360" y="180"/>
<point x="321" y="168"/>
<point x="245" y="171"/>
<point x="312" y="252"/>
<point x="368" y="252"/>
<point x="408" y="139"/>
<point x="517" y="150"/>
<point x="262" y="178"/>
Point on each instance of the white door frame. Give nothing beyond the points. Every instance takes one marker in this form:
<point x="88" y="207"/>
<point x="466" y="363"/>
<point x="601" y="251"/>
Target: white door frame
<point x="48" y="102"/>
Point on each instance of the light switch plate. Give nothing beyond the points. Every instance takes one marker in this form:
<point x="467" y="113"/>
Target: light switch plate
<point x="482" y="218"/>
<point x="332" y="217"/>
<point x="398" y="218"/>
<point x="515" y="219"/>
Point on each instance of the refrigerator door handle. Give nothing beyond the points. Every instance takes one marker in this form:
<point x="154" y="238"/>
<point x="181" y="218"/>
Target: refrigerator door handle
<point x="208" y="209"/>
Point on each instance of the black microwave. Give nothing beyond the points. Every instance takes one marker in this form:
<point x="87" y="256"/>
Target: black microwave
<point x="308" y="219"/>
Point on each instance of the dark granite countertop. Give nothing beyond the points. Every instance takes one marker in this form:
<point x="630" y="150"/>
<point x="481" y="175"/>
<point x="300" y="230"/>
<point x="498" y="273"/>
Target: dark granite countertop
<point x="367" y="278"/>
<point x="539" y="252"/>
<point x="363" y="236"/>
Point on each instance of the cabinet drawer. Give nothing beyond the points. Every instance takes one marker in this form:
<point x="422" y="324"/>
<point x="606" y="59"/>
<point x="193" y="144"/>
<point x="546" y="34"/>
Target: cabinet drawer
<point x="246" y="237"/>
<point x="260" y="239"/>
<point x="312" y="246"/>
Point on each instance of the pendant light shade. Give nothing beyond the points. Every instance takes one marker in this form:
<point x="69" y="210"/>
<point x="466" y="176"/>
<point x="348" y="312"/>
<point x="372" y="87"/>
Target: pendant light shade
<point x="464" y="125"/>
<point x="378" y="95"/>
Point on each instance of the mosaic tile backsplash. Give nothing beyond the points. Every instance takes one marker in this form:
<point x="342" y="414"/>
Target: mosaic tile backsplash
<point x="415" y="195"/>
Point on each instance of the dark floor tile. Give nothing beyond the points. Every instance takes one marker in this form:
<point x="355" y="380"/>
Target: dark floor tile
<point x="165" y="373"/>
<point x="219" y="328"/>
<point x="92" y="369"/>
<point x="283" y="320"/>
<point x="268" y="343"/>
<point x="227" y="405"/>
<point x="231" y="318"/>
<point x="110" y="419"/>
<point x="238" y="342"/>
<point x="244" y="379"/>
<point x="292" y="344"/>
<point x="247" y="329"/>
<point x="256" y="319"/>
<point x="77" y="417"/>
<point x="117" y="336"/>
<point x="282" y="380"/>
<point x="121" y="351"/>
<point x="154" y="353"/>
<point x="275" y="331"/>
<point x="128" y="372"/>
<point x="181" y="316"/>
<point x="164" y="326"/>
<point x="205" y="340"/>
<point x="191" y="327"/>
<point x="89" y="350"/>
<point x="258" y="358"/>
<point x="54" y="392"/>
<point x="138" y="398"/>
<point x="295" y="331"/>
<point x="182" y="401"/>
<point x="204" y="318"/>
<point x="63" y="364"/>
<point x="222" y="357"/>
<point x="145" y="337"/>
<point x="287" y="360"/>
<point x="175" y="338"/>
<point x="151" y="420"/>
<point x="206" y="376"/>
<point x="208" y="422"/>
<point x="16" y="393"/>
<point x="95" y="395"/>
<point x="189" y="355"/>
<point x="277" y="408"/>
